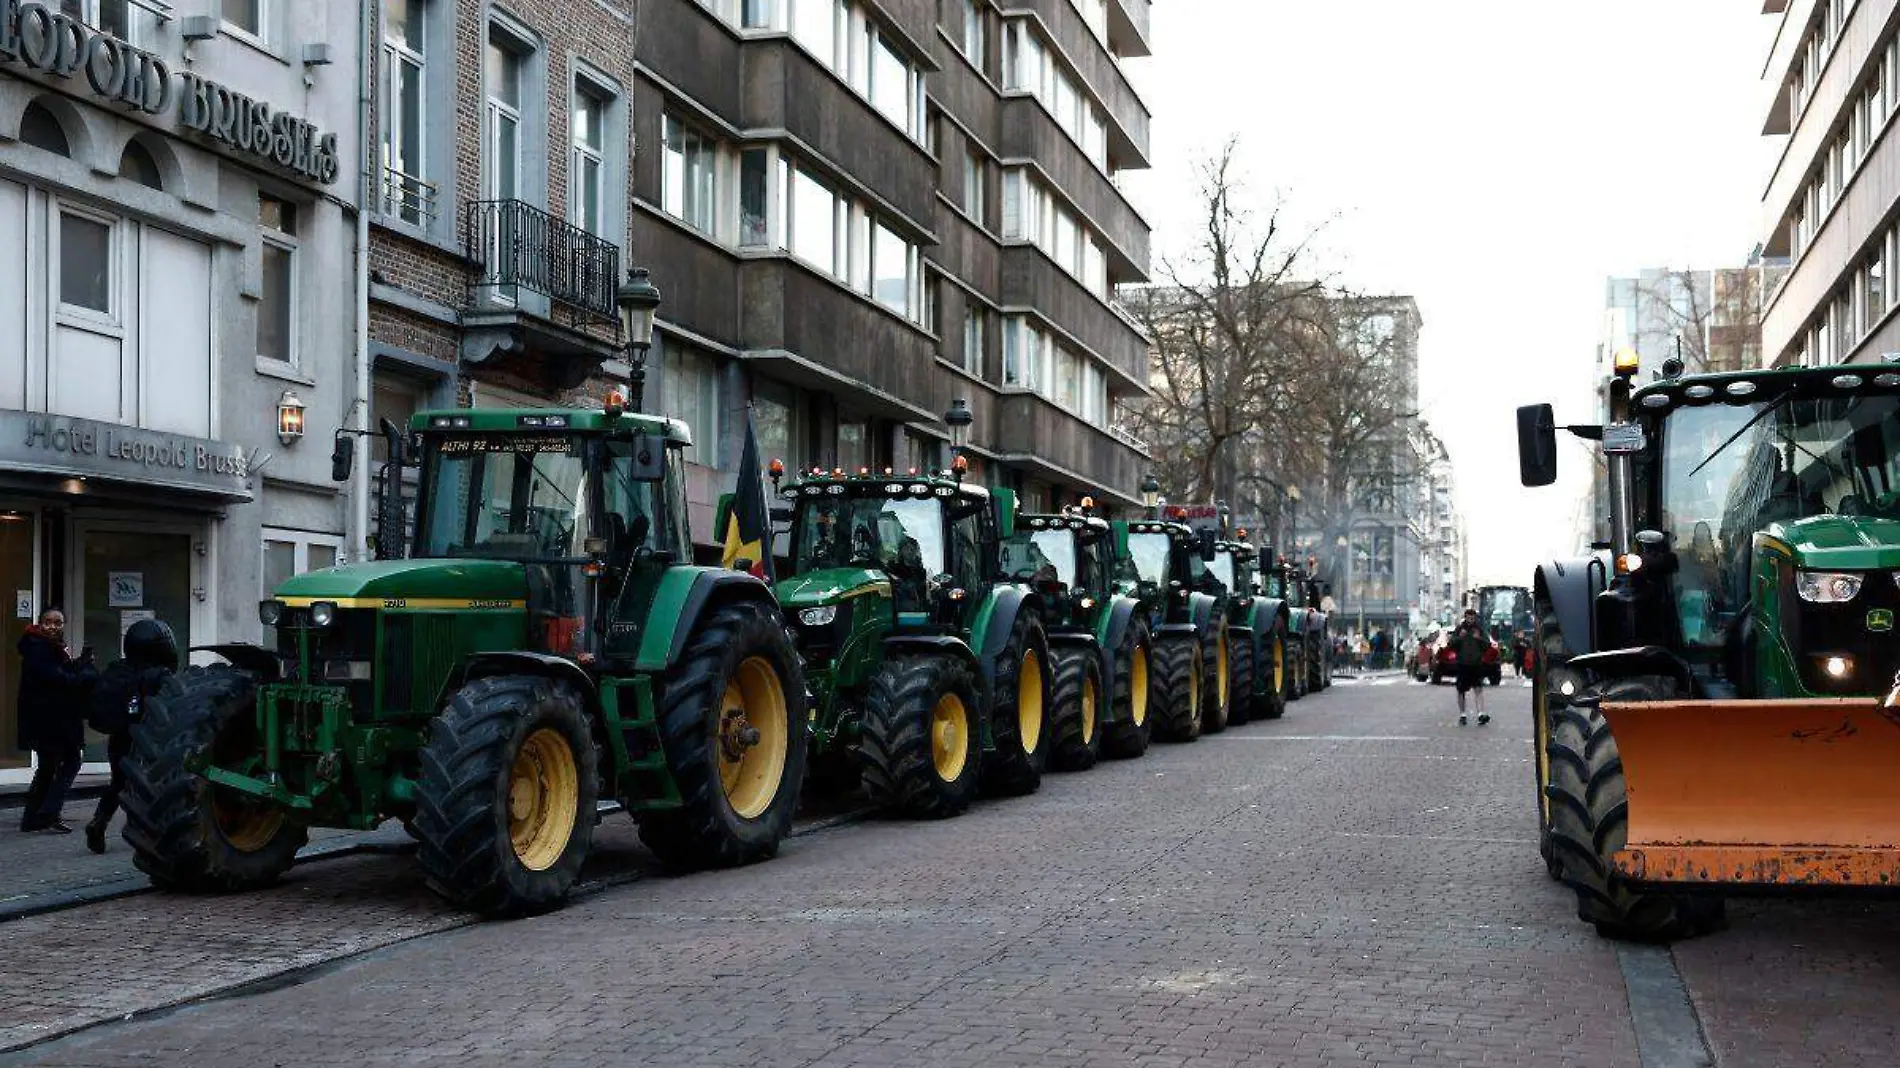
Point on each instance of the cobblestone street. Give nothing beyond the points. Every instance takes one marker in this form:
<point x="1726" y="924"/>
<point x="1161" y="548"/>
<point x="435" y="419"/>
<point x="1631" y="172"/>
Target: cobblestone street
<point x="1355" y="884"/>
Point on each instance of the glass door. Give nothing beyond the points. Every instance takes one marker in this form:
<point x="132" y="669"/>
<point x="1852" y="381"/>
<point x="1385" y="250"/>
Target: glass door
<point x="126" y="574"/>
<point x="19" y="577"/>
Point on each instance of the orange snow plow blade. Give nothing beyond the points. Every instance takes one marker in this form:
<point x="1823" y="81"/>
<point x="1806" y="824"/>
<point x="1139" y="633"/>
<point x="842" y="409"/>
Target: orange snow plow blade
<point x="1781" y="792"/>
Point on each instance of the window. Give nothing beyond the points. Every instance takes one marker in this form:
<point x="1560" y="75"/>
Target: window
<point x="693" y="393"/>
<point x="40" y="129"/>
<point x="120" y="18"/>
<point x="815" y="25"/>
<point x="754" y="194"/>
<point x="247" y="15"/>
<point x="973" y="341"/>
<point x="973" y="33"/>
<point x="688" y="184"/>
<point x="85" y="263"/>
<point x="407" y="192"/>
<point x="287" y="554"/>
<point x="587" y="199"/>
<point x="814" y="215"/>
<point x="890" y="84"/>
<point x="973" y="174"/>
<point x="502" y="69"/>
<point x="758" y="14"/>
<point x="1876" y="289"/>
<point x="277" y="291"/>
<point x="137" y="164"/>
<point x="890" y="267"/>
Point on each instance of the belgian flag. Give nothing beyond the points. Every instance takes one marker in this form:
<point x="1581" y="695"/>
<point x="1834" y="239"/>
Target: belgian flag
<point x="748" y="533"/>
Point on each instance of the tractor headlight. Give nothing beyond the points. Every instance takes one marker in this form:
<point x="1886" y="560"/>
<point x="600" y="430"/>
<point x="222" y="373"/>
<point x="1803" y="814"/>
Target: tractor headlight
<point x="1827" y="587"/>
<point x="820" y="616"/>
<point x="322" y="613"/>
<point x="270" y="613"/>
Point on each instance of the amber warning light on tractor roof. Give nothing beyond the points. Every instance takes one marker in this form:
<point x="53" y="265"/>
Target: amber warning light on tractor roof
<point x="1627" y="362"/>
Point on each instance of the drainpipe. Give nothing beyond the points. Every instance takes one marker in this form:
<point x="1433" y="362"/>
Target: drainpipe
<point x="369" y="24"/>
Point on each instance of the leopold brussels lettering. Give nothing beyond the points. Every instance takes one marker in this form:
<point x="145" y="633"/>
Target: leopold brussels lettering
<point x="54" y="43"/>
<point x="68" y="445"/>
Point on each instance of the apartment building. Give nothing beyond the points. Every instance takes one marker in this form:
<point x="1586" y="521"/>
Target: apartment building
<point x="1833" y="202"/>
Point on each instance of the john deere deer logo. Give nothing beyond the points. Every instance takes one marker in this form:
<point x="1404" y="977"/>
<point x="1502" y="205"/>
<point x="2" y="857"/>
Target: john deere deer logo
<point x="1880" y="620"/>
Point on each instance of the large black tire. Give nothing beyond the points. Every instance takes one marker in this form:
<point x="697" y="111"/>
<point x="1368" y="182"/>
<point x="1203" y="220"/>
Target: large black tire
<point x="1590" y="821"/>
<point x="1020" y="728"/>
<point x="1270" y="703"/>
<point x="920" y="745"/>
<point x="1178" y="683"/>
<point x="1080" y="706"/>
<point x="502" y="739"/>
<point x="1552" y="652"/>
<point x="1296" y="668"/>
<point x="1217" y="679"/>
<point x="185" y="833"/>
<point x="1240" y="687"/>
<point x="1127" y="734"/>
<point x="739" y="681"/>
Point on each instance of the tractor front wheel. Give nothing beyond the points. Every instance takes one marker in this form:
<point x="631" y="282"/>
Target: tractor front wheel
<point x="732" y="720"/>
<point x="506" y="806"/>
<point x="1240" y="700"/>
<point x="1271" y="704"/>
<point x="1217" y="680"/>
<point x="187" y="834"/>
<point x="1549" y="640"/>
<point x="1179" y="676"/>
<point x="1589" y="805"/>
<point x="1019" y="705"/>
<point x="1296" y="668"/>
<point x="1080" y="709"/>
<point x="1127" y="736"/>
<point x="920" y="744"/>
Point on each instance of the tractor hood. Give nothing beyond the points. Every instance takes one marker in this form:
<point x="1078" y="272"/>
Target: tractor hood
<point x="831" y="586"/>
<point x="1842" y="543"/>
<point x="459" y="580"/>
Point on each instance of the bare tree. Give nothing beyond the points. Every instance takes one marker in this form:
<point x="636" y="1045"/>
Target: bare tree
<point x="1711" y="319"/>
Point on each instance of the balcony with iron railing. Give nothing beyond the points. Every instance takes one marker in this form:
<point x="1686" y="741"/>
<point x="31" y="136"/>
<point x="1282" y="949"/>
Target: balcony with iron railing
<point x="514" y="246"/>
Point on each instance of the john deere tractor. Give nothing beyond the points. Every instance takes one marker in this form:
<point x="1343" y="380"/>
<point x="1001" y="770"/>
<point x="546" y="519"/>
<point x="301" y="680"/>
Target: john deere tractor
<point x="1160" y="562"/>
<point x="546" y="644"/>
<point x="1097" y="636"/>
<point x="1260" y="672"/>
<point x="927" y="671"/>
<point x="1309" y="651"/>
<point x="1712" y="697"/>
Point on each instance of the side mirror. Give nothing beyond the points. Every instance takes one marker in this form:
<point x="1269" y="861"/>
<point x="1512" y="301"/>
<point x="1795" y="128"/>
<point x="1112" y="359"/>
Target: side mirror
<point x="1536" y="445"/>
<point x="1207" y="546"/>
<point x="649" y="459"/>
<point x="342" y="457"/>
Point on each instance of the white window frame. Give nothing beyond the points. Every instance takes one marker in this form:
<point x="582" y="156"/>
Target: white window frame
<point x="689" y="134"/>
<point x="290" y="244"/>
<point x="972" y="45"/>
<point x="975" y="171"/>
<point x="398" y="57"/>
<point x="494" y="109"/>
<point x="587" y="91"/>
<point x="266" y="13"/>
<point x="113" y="318"/>
<point x="973" y="316"/>
<point x="300" y="542"/>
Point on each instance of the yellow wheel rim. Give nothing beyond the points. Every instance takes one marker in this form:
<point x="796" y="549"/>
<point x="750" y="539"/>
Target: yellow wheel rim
<point x="544" y="788"/>
<point x="1220" y="669"/>
<point x="246" y="827"/>
<point x="753" y="738"/>
<point x="949" y="737"/>
<point x="1029" y="702"/>
<point x="1194" y="683"/>
<point x="1138" y="686"/>
<point x="1279" y="664"/>
<point x="1088" y="710"/>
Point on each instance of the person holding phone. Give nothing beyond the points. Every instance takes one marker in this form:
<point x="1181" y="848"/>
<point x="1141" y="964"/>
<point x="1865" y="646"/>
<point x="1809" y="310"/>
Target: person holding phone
<point x="54" y="689"/>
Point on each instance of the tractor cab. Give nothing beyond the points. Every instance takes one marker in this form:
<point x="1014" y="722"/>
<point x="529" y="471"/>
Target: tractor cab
<point x="1067" y="558"/>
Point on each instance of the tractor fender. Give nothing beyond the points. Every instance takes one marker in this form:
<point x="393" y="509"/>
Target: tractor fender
<point x="1571" y="586"/>
<point x="1636" y="660"/>
<point x="1113" y="629"/>
<point x="994" y="622"/>
<point x="929" y="645"/>
<point x="244" y="656"/>
<point x="522" y="662"/>
<point x="684" y="595"/>
<point x="1201" y="611"/>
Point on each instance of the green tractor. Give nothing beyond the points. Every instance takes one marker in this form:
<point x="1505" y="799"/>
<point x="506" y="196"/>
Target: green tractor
<point x="1159" y="562"/>
<point x="929" y="674"/>
<point x="1713" y="699"/>
<point x="1283" y="581"/>
<point x="1257" y="633"/>
<point x="1098" y="637"/>
<point x="547" y="644"/>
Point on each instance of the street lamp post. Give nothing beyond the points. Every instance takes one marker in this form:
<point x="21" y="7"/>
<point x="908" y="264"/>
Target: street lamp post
<point x="639" y="299"/>
<point x="958" y="419"/>
<point x="1151" y="494"/>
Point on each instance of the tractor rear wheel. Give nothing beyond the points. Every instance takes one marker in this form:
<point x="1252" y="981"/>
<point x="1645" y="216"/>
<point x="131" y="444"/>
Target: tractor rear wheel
<point x="732" y="720"/>
<point x="1127" y="735"/>
<point x="1179" y="676"/>
<point x="1080" y="709"/>
<point x="1217" y="680"/>
<point x="920" y="743"/>
<point x="187" y="834"/>
<point x="506" y="805"/>
<point x="1271" y="704"/>
<point x="1240" y="699"/>
<point x="1020" y="726"/>
<point x="1589" y="804"/>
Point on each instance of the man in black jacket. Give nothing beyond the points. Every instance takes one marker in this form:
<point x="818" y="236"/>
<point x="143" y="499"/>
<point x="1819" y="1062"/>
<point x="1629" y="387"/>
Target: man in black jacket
<point x="149" y="656"/>
<point x="54" y="687"/>
<point x="1469" y="644"/>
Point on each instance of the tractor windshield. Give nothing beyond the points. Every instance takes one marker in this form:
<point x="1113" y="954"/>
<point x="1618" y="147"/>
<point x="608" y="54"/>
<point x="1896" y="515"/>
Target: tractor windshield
<point x="1042" y="557"/>
<point x="1147" y="559"/>
<point x="1729" y="470"/>
<point x="1221" y="568"/>
<point x="513" y="496"/>
<point x="899" y="535"/>
<point x="1505" y="612"/>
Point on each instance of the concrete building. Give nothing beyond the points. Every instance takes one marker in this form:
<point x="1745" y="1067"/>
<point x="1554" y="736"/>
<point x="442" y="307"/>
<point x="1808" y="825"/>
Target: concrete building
<point x="176" y="237"/>
<point x="1439" y="528"/>
<point x="1832" y="203"/>
<point x="1710" y="319"/>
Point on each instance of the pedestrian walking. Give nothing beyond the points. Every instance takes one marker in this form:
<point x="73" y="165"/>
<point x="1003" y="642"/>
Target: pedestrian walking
<point x="1520" y="645"/>
<point x="148" y="656"/>
<point x="54" y="687"/>
<point x="1468" y="645"/>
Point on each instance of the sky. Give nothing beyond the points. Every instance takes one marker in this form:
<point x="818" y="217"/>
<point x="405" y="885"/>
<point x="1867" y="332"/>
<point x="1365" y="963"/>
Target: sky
<point x="1498" y="160"/>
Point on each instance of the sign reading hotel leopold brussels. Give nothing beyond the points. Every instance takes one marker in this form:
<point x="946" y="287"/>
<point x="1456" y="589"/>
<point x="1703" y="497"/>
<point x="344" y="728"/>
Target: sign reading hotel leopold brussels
<point x="65" y="445"/>
<point x="45" y="39"/>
